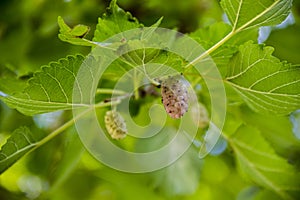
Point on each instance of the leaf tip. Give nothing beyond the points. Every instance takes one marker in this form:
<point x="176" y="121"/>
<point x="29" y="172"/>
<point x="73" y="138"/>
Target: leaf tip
<point x="59" y="18"/>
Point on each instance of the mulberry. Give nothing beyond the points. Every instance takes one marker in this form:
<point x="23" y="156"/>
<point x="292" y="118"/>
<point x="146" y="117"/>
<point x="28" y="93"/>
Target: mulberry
<point x="115" y="124"/>
<point x="174" y="93"/>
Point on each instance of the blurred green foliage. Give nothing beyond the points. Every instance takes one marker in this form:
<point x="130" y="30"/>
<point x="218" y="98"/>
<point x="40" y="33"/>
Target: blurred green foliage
<point x="25" y="25"/>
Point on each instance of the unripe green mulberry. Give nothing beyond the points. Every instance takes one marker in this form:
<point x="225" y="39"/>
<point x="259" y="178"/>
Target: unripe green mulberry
<point x="115" y="124"/>
<point x="201" y="114"/>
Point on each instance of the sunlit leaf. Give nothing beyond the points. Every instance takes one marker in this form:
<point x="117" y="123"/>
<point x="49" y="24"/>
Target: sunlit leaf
<point x="20" y="142"/>
<point x="73" y="35"/>
<point x="50" y="89"/>
<point x="245" y="14"/>
<point x="153" y="61"/>
<point x="212" y="34"/>
<point x="114" y="21"/>
<point x="265" y="83"/>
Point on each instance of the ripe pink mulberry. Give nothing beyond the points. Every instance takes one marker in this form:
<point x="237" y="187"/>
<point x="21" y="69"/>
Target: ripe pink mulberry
<point x="175" y="95"/>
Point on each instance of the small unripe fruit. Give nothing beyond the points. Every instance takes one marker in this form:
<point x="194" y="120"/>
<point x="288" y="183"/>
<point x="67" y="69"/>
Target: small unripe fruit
<point x="115" y="124"/>
<point x="201" y="114"/>
<point x="174" y="94"/>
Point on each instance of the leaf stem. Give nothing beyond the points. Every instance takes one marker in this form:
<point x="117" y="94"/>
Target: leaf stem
<point x="109" y="91"/>
<point x="70" y="123"/>
<point x="135" y="84"/>
<point x="210" y="50"/>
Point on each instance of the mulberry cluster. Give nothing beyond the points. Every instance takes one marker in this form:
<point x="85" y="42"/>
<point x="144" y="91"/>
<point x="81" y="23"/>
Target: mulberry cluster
<point x="175" y="96"/>
<point x="115" y="124"/>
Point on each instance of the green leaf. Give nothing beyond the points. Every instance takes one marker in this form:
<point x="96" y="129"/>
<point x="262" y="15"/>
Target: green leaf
<point x="73" y="35"/>
<point x="265" y="83"/>
<point x="286" y="42"/>
<point x="258" y="162"/>
<point x="50" y="89"/>
<point x="135" y="54"/>
<point x="80" y="30"/>
<point x="214" y="33"/>
<point x="278" y="130"/>
<point x="20" y="142"/>
<point x="211" y="34"/>
<point x="63" y="27"/>
<point x="245" y="14"/>
<point x="115" y="21"/>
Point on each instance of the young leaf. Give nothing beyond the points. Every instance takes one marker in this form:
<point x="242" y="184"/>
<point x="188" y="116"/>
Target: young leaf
<point x="114" y="21"/>
<point x="20" y="142"/>
<point x="258" y="161"/>
<point x="73" y="35"/>
<point x="265" y="83"/>
<point x="49" y="90"/>
<point x="245" y="14"/>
